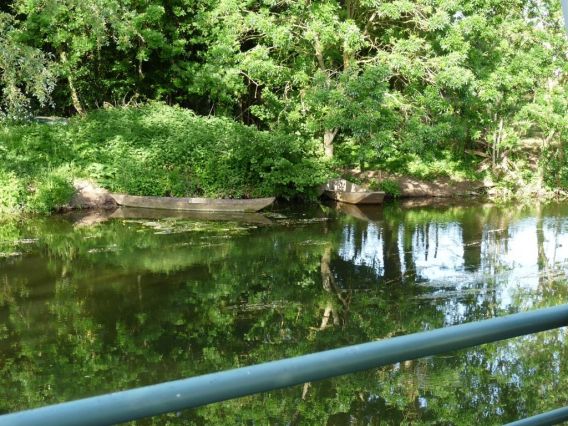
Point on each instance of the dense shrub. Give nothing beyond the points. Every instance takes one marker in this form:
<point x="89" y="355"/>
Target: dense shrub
<point x="52" y="191"/>
<point x="391" y="187"/>
<point x="11" y="192"/>
<point x="554" y="165"/>
<point x="158" y="150"/>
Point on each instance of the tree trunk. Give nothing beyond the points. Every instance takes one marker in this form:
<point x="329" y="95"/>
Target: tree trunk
<point x="329" y="134"/>
<point x="319" y="53"/>
<point x="497" y="138"/>
<point x="74" y="95"/>
<point x="540" y="164"/>
<point x="328" y="137"/>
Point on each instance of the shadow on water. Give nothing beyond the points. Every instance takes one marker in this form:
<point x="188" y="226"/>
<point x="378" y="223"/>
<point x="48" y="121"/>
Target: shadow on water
<point x="92" y="304"/>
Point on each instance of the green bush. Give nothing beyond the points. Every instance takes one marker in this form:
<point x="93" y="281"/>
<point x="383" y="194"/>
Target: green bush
<point x="444" y="163"/>
<point x="11" y="192"/>
<point x="554" y="163"/>
<point x="390" y="186"/>
<point x="159" y="150"/>
<point x="162" y="150"/>
<point x="51" y="192"/>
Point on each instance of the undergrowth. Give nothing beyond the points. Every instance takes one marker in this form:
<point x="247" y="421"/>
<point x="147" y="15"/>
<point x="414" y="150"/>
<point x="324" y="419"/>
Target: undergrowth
<point x="152" y="150"/>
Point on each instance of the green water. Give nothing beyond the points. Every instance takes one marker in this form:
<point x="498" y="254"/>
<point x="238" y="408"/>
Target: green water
<point x="88" y="308"/>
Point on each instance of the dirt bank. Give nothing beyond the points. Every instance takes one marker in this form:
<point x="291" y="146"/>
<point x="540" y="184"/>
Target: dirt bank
<point x="412" y="187"/>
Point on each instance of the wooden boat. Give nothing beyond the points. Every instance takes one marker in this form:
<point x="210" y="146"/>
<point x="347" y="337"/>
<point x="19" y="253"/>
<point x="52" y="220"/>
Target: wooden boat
<point x="194" y="204"/>
<point x="347" y="192"/>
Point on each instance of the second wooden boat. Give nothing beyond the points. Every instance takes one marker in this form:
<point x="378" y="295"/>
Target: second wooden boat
<point x="194" y="204"/>
<point x="347" y="192"/>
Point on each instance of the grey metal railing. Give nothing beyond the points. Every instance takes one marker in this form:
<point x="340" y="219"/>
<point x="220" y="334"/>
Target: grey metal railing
<point x="202" y="390"/>
<point x="551" y="418"/>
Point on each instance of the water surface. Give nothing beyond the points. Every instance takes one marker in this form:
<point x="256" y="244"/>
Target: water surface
<point x="91" y="305"/>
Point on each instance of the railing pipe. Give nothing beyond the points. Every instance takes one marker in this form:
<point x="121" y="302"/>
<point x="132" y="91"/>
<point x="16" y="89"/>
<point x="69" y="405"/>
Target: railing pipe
<point x="197" y="391"/>
<point x="545" y="419"/>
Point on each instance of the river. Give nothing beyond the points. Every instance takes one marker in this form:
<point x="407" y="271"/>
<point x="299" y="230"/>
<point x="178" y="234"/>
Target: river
<point x="92" y="304"/>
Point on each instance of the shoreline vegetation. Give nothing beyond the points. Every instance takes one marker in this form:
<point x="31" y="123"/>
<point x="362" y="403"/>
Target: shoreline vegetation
<point x="222" y="98"/>
<point x="152" y="150"/>
<point x="159" y="150"/>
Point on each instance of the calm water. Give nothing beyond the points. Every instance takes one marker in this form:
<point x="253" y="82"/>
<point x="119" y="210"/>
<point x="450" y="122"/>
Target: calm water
<point x="88" y="307"/>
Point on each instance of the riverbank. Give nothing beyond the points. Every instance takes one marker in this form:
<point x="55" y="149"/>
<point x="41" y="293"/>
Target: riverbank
<point x="160" y="150"/>
<point x="410" y="187"/>
<point x="152" y="150"/>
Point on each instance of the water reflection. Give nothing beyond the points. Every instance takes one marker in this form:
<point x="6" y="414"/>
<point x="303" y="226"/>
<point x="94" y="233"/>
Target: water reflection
<point x="95" y="306"/>
<point x="462" y="248"/>
<point x="363" y="247"/>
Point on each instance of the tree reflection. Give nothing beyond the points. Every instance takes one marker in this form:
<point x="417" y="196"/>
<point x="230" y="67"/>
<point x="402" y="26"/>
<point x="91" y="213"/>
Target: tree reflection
<point x="126" y="303"/>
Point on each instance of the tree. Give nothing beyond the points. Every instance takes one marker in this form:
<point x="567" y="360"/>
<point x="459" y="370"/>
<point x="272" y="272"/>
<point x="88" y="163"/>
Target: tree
<point x="25" y="72"/>
<point x="100" y="46"/>
<point x="293" y="65"/>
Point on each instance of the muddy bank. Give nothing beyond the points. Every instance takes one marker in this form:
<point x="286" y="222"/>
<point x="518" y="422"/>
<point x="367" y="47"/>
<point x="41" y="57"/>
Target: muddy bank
<point x="88" y="195"/>
<point x="411" y="187"/>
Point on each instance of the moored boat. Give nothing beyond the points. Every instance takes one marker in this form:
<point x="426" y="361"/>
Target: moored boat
<point x="194" y="204"/>
<point x="347" y="192"/>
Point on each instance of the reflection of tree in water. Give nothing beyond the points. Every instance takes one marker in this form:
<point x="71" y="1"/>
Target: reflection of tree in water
<point x="122" y="305"/>
<point x="472" y="225"/>
<point x="482" y="228"/>
<point x="337" y="295"/>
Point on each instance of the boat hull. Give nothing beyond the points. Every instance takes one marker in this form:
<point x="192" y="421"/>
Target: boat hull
<point x="193" y="204"/>
<point x="356" y="197"/>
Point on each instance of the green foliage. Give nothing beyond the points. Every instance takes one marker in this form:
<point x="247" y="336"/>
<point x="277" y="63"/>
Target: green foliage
<point x="51" y="191"/>
<point x="444" y="164"/>
<point x="555" y="166"/>
<point x="390" y="186"/>
<point x="11" y="192"/>
<point x="102" y="50"/>
<point x="411" y="87"/>
<point x="35" y="167"/>
<point x="545" y="120"/>
<point x="353" y="103"/>
<point x="159" y="150"/>
<point x="25" y="72"/>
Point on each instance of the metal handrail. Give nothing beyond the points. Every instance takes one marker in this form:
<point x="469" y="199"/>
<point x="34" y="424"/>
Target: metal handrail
<point x="202" y="390"/>
<point x="551" y="418"/>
